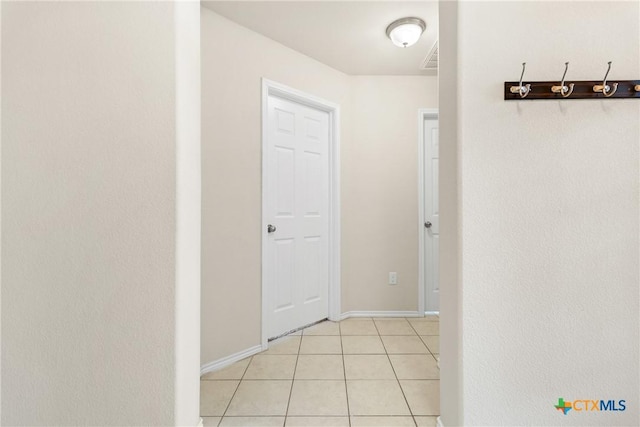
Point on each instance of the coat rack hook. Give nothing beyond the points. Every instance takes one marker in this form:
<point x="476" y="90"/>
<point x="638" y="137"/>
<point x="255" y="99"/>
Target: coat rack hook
<point x="522" y="90"/>
<point x="604" y="87"/>
<point x="563" y="90"/>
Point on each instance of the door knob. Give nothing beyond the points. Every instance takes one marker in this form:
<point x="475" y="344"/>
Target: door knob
<point x="271" y="228"/>
<point x="427" y="224"/>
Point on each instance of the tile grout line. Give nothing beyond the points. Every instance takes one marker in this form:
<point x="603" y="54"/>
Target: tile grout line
<point x="432" y="355"/>
<point x="293" y="378"/>
<point x="425" y="344"/>
<point x="235" y="391"/>
<point x="396" y="375"/>
<point x="428" y="348"/>
<point x="344" y="371"/>
<point x="421" y="340"/>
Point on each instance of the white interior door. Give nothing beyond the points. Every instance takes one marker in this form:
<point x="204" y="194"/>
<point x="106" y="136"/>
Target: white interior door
<point x="431" y="215"/>
<point x="297" y="214"/>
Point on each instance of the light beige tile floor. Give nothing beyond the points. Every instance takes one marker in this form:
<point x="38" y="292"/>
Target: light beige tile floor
<point x="361" y="372"/>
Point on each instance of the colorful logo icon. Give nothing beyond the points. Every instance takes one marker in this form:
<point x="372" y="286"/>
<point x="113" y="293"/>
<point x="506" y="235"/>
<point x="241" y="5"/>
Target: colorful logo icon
<point x="590" y="405"/>
<point x="563" y="406"/>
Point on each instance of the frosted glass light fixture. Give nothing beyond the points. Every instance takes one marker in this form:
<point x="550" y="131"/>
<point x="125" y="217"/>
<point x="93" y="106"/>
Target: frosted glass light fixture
<point x="406" y="31"/>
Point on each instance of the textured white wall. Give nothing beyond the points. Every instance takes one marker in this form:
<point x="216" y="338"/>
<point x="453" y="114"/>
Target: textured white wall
<point x="550" y="216"/>
<point x="89" y="215"/>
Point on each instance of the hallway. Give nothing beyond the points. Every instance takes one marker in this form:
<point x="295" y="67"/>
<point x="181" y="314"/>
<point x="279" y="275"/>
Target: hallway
<point x="358" y="372"/>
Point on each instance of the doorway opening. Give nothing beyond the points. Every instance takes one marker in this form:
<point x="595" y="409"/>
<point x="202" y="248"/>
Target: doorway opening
<point x="428" y="212"/>
<point x="379" y="96"/>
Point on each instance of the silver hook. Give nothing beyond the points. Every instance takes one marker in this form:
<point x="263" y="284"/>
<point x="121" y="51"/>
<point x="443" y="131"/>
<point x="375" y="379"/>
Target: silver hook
<point x="562" y="89"/>
<point x="604" y="87"/>
<point x="604" y="83"/>
<point x="522" y="90"/>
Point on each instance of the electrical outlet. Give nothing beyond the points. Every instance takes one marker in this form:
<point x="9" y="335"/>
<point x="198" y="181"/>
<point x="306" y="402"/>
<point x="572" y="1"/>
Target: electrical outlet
<point x="393" y="278"/>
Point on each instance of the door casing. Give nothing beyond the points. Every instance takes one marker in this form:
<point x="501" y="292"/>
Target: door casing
<point x="423" y="114"/>
<point x="271" y="88"/>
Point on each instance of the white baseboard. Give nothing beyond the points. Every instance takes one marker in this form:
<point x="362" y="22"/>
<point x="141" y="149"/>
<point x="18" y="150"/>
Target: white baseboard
<point x="349" y="314"/>
<point x="439" y="422"/>
<point x="226" y="361"/>
<point x="432" y="313"/>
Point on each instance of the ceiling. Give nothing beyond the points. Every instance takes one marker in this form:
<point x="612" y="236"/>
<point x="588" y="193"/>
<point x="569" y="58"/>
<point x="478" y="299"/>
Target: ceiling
<point x="346" y="35"/>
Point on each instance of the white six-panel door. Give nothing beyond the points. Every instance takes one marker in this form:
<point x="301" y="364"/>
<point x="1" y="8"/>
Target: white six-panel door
<point x="431" y="215"/>
<point x="297" y="203"/>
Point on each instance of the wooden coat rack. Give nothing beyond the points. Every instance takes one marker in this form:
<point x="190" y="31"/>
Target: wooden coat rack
<point x="563" y="90"/>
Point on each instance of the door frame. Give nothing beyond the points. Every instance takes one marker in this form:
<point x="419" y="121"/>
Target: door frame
<point x="271" y="88"/>
<point x="423" y="114"/>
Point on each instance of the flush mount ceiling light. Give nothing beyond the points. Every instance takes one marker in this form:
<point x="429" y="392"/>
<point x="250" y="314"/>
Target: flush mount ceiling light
<point x="406" y="31"/>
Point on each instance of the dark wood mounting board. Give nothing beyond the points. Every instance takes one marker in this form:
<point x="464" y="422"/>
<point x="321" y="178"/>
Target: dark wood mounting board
<point x="582" y="89"/>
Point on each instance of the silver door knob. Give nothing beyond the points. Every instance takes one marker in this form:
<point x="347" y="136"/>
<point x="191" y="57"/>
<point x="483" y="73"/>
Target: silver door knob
<point x="271" y="228"/>
<point x="428" y="224"/>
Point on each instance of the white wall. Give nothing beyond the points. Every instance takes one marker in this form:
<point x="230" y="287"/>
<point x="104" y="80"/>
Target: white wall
<point x="188" y="213"/>
<point x="380" y="192"/>
<point x="89" y="203"/>
<point x="550" y="216"/>
<point x="451" y="361"/>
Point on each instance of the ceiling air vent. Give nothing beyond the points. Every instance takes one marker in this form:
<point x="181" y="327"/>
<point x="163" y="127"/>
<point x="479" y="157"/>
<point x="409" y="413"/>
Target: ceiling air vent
<point x="430" y="63"/>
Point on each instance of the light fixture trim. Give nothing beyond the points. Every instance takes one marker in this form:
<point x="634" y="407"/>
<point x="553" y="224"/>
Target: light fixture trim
<point x="406" y="21"/>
